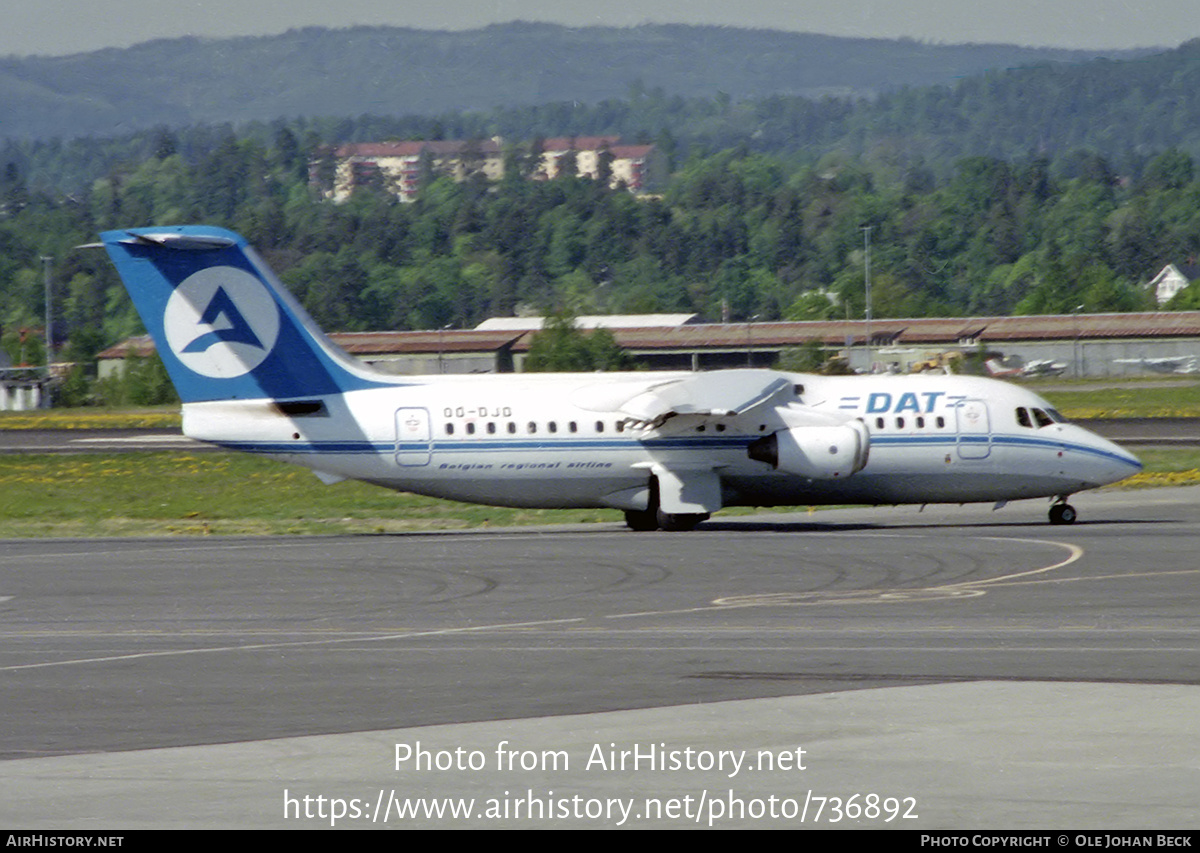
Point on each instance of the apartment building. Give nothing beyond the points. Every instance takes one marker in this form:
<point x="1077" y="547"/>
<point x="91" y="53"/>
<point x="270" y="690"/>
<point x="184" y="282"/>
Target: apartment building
<point x="401" y="168"/>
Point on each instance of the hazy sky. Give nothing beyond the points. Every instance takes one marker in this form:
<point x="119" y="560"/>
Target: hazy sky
<point x="69" y="26"/>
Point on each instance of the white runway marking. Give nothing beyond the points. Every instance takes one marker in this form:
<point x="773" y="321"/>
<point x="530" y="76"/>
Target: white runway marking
<point x="403" y="635"/>
<point x="964" y="589"/>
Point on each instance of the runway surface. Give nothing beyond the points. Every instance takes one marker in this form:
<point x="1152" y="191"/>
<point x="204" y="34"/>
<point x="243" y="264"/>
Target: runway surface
<point x="21" y="441"/>
<point x="970" y="669"/>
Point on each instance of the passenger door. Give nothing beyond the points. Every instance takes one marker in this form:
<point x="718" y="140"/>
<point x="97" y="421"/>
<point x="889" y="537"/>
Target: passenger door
<point x="974" y="429"/>
<point x="414" y="441"/>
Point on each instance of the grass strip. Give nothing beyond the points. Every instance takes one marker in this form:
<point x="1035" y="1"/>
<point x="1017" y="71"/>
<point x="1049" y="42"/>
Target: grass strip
<point x="162" y="494"/>
<point x="88" y="418"/>
<point x="182" y="494"/>
<point x="1174" y="399"/>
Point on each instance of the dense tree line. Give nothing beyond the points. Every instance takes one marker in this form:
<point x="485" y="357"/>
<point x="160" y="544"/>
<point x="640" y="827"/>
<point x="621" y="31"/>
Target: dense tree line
<point x="735" y="235"/>
<point x="1048" y="189"/>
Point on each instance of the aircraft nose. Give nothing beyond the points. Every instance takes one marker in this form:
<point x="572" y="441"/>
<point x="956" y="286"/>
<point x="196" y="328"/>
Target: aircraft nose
<point x="1115" y="462"/>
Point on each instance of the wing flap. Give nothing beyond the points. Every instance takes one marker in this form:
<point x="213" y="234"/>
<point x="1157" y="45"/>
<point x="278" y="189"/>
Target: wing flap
<point x="718" y="394"/>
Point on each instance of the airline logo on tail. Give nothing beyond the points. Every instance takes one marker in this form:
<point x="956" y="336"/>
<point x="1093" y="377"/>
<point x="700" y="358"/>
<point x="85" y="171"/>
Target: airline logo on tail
<point x="221" y="322"/>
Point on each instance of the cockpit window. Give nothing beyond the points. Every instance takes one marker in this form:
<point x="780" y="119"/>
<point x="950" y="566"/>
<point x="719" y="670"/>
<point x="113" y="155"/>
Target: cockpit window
<point x="1043" y="419"/>
<point x="1023" y="418"/>
<point x="1056" y="416"/>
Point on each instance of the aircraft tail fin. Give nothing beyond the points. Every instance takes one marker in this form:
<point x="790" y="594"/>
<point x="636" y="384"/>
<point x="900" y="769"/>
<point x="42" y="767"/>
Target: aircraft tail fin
<point x="224" y="325"/>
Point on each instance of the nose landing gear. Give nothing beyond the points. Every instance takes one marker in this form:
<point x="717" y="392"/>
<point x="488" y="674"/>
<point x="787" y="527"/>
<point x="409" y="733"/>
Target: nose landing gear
<point x="1062" y="512"/>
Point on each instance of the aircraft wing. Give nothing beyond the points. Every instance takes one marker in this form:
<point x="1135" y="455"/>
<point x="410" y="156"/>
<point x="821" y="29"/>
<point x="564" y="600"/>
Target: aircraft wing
<point x="1176" y="364"/>
<point x="692" y="488"/>
<point x="718" y="394"/>
<point x="1044" y="367"/>
<point x="810" y="443"/>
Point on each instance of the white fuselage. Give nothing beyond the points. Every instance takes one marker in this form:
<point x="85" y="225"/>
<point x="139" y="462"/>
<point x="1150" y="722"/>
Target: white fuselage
<point x="558" y="440"/>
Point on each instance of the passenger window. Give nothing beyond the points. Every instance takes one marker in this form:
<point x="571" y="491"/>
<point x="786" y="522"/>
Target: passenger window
<point x="491" y="427"/>
<point x="620" y="426"/>
<point x="449" y="429"/>
<point x="899" y="423"/>
<point x="512" y="427"/>
<point x="920" y="423"/>
<point x="573" y="427"/>
<point x="879" y="423"/>
<point x="941" y="422"/>
<point x="470" y="429"/>
<point x="552" y="426"/>
<point x="531" y="428"/>
<point x="599" y="426"/>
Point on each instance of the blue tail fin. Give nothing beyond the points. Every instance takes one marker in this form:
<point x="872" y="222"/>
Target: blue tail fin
<point x="225" y="327"/>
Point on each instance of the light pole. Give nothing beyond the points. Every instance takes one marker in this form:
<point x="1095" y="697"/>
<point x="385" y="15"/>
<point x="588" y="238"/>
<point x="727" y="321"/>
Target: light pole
<point x="47" y="260"/>
<point x="46" y="402"/>
<point x="441" y="348"/>
<point x="866" y="230"/>
<point x="1076" y="366"/>
<point x="750" y="340"/>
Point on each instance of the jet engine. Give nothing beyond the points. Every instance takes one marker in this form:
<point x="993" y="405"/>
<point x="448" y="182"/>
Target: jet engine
<point x="816" y="452"/>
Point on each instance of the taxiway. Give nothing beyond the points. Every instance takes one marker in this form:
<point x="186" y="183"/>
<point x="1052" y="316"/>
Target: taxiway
<point x="998" y="671"/>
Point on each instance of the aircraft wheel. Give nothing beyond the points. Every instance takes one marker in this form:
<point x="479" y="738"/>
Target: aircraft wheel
<point x="644" y="519"/>
<point x="680" y="521"/>
<point x="1062" y="514"/>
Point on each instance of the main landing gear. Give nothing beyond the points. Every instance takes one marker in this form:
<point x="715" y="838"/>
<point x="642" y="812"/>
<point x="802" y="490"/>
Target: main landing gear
<point x="641" y="519"/>
<point x="1062" y="512"/>
<point x="653" y="518"/>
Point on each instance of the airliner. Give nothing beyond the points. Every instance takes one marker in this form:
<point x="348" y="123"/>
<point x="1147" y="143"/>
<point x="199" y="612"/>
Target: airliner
<point x="255" y="374"/>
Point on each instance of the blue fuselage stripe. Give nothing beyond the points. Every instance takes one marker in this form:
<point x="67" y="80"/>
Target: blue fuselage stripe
<point x="947" y="441"/>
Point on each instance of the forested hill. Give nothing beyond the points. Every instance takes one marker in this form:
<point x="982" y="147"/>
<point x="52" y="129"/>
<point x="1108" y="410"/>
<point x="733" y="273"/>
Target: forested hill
<point x="1141" y="106"/>
<point x="393" y="71"/>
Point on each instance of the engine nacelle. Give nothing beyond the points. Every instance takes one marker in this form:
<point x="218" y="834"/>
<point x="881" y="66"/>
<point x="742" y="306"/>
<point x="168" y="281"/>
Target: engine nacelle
<point x="817" y="452"/>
